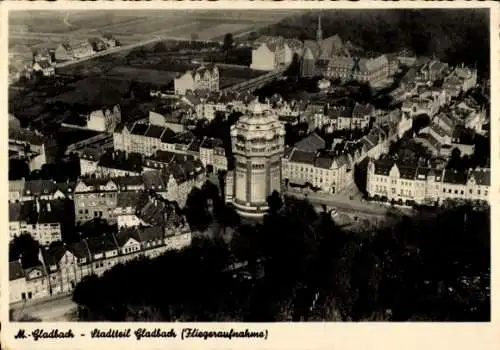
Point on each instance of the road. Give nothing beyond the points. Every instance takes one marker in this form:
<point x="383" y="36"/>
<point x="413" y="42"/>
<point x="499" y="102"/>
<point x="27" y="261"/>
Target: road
<point x="54" y="309"/>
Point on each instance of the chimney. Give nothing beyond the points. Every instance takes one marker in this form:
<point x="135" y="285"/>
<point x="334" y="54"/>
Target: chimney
<point x="37" y="205"/>
<point x="48" y="207"/>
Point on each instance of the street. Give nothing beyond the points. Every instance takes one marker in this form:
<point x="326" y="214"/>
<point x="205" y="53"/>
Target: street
<point x="55" y="309"/>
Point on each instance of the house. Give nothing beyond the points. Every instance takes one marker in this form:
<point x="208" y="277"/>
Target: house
<point x="142" y="138"/>
<point x="109" y="41"/>
<point x="74" y="49"/>
<point x="36" y="283"/>
<point x="89" y="159"/>
<point x="202" y="78"/>
<point x="370" y="70"/>
<point x="40" y="219"/>
<point x="32" y="146"/>
<point x="44" y="55"/>
<point x="181" y="178"/>
<point x="119" y="163"/>
<point x="45" y="68"/>
<point x="322" y="170"/>
<point x="271" y="53"/>
<point x="17" y="282"/>
<point x="62" y="267"/>
<point x="104" y="119"/>
<point x="16" y="190"/>
<point x="461" y="79"/>
<point x="103" y="253"/>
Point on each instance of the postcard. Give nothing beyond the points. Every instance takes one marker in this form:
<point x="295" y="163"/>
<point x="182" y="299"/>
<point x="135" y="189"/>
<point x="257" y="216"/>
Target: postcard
<point x="294" y="174"/>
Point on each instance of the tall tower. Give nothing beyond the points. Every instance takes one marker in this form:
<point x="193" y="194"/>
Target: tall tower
<point x="319" y="31"/>
<point x="258" y="142"/>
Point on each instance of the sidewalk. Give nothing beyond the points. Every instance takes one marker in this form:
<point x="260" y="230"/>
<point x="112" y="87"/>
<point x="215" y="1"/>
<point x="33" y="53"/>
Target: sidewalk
<point x="34" y="302"/>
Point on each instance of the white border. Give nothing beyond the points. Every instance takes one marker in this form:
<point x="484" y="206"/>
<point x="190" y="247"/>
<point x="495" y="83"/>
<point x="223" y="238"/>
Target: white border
<point x="288" y="336"/>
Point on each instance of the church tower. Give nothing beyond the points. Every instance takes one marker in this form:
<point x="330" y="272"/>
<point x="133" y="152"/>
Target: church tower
<point x="319" y="31"/>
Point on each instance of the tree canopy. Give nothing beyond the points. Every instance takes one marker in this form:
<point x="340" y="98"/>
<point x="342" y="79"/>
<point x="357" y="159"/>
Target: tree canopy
<point x="302" y="266"/>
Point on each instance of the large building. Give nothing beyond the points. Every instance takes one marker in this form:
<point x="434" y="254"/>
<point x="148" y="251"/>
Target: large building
<point x="272" y="53"/>
<point x="404" y="184"/>
<point x="202" y="78"/>
<point x="258" y="142"/>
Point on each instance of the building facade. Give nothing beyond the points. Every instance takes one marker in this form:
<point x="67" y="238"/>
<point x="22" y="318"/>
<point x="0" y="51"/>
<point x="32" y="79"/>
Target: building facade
<point x="203" y="78"/>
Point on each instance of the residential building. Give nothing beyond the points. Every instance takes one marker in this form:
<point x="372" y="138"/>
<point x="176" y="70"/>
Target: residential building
<point x="105" y="119"/>
<point x="30" y="145"/>
<point x="45" y="68"/>
<point x="212" y="155"/>
<point x="461" y="79"/>
<point x="322" y="170"/>
<point x="405" y="184"/>
<point x="119" y="163"/>
<point x="272" y="53"/>
<point x="17" y="282"/>
<point x="74" y="49"/>
<point x="369" y="70"/>
<point x="202" y="78"/>
<point x="143" y="138"/>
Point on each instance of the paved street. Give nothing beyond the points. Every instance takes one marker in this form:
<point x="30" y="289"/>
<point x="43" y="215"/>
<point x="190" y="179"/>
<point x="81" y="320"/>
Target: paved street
<point x="55" y="309"/>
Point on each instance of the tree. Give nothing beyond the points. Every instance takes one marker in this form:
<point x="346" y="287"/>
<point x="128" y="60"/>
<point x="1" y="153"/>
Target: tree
<point x="227" y="44"/>
<point x="24" y="247"/>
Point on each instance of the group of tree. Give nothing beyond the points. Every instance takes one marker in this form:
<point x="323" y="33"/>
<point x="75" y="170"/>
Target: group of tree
<point x="454" y="36"/>
<point x="423" y="268"/>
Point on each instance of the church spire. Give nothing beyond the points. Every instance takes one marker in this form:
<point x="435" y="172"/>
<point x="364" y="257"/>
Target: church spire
<point x="319" y="31"/>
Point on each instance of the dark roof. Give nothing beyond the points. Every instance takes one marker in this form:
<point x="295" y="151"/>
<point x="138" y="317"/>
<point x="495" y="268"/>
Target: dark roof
<point x="79" y="249"/>
<point x="26" y="136"/>
<point x="154" y="131"/>
<point x="53" y="255"/>
<point x="481" y="176"/>
<point x="407" y="173"/>
<point x="152" y="212"/>
<point x="455" y="177"/>
<point x="15" y="270"/>
<point x="383" y="166"/>
<point x="39" y="187"/>
<point x="139" y="129"/>
<point x="152" y="233"/>
<point x="311" y="143"/>
<point x="121" y="160"/>
<point x="125" y="234"/>
<point x="128" y="181"/>
<point x="15" y="212"/>
<point x="128" y="199"/>
<point x="153" y="179"/>
<point x="299" y="156"/>
<point x="104" y="243"/>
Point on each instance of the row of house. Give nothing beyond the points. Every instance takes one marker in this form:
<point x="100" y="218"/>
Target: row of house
<point x="331" y="170"/>
<point x="81" y="48"/>
<point x="405" y="184"/>
<point x="63" y="266"/>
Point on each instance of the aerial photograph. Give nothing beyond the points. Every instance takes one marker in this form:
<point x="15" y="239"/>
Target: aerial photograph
<point x="267" y="165"/>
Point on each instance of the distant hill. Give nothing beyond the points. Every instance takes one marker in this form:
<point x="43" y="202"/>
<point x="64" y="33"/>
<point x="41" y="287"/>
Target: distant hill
<point x="453" y="35"/>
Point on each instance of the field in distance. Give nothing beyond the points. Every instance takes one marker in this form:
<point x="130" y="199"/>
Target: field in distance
<point x="49" y="28"/>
